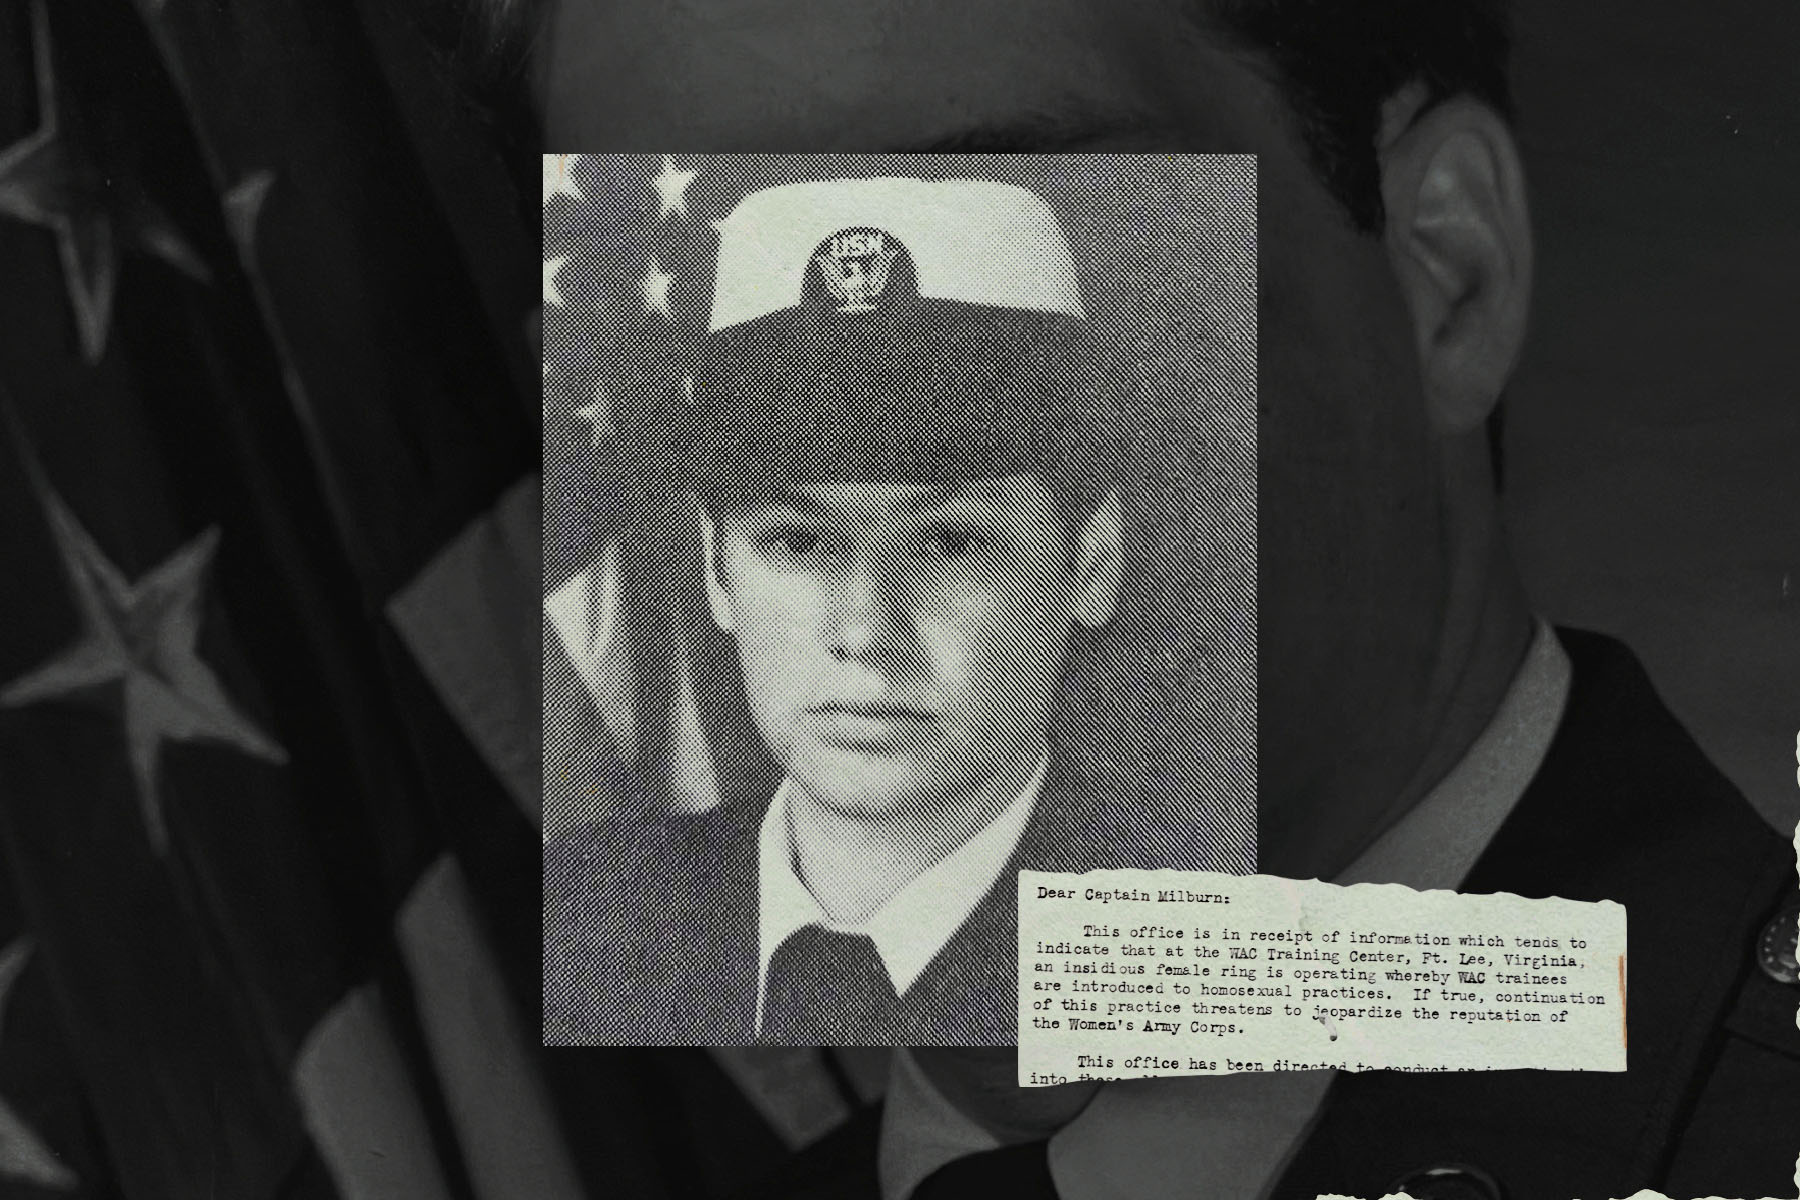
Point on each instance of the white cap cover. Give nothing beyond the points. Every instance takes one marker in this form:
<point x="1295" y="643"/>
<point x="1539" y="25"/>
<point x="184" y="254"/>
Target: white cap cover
<point x="970" y="240"/>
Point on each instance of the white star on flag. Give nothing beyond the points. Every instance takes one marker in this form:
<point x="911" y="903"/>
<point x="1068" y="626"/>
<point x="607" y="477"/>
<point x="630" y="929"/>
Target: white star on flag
<point x="672" y="186"/>
<point x="597" y="414"/>
<point x="656" y="289"/>
<point x="50" y="179"/>
<point x="141" y="636"/>
<point x="23" y="1154"/>
<point x="551" y="267"/>
<point x="559" y="176"/>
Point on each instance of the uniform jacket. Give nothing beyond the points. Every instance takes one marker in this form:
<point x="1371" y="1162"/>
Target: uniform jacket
<point x="650" y="923"/>
<point x="1624" y="807"/>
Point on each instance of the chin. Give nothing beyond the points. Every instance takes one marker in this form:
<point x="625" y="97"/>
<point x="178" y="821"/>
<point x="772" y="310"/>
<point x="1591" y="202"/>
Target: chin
<point x="862" y="785"/>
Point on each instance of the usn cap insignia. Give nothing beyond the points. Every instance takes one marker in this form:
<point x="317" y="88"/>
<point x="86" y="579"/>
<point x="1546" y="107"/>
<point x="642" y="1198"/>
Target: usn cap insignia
<point x="872" y="247"/>
<point x="856" y="267"/>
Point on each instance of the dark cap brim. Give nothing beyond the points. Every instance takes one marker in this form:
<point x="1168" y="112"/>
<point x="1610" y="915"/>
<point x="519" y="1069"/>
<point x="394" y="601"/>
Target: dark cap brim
<point x="931" y="392"/>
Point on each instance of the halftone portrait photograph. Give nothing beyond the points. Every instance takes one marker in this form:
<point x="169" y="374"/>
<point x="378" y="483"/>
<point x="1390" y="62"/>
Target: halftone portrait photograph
<point x="900" y="535"/>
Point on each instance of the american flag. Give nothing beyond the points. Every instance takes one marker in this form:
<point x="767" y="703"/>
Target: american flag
<point x="270" y="755"/>
<point x="629" y="243"/>
<point x="269" y="471"/>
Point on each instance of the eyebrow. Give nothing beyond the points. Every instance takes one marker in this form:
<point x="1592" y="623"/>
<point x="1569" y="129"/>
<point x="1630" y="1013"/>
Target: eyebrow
<point x="1070" y="124"/>
<point x="921" y="499"/>
<point x="781" y="496"/>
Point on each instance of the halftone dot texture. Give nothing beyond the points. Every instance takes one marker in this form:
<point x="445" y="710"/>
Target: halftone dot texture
<point x="810" y="976"/>
<point x="1156" y="718"/>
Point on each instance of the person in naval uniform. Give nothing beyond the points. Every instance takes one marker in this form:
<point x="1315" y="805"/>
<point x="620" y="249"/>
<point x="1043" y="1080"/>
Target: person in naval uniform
<point x="900" y="443"/>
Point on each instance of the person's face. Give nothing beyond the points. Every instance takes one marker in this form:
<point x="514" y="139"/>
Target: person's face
<point x="1349" y="535"/>
<point x="900" y="644"/>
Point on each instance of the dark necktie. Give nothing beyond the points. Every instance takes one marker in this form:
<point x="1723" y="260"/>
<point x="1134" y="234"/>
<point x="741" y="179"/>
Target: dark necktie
<point x="828" y="989"/>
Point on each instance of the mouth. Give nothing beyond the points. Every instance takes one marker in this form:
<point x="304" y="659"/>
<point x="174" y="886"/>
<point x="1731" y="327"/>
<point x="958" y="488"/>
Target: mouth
<point x="886" y="710"/>
<point x="869" y="724"/>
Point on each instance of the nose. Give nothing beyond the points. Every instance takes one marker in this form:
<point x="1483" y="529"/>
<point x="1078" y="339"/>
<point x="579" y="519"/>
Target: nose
<point x="868" y="612"/>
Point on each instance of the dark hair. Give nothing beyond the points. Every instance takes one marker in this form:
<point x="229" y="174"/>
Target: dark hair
<point x="1338" y="62"/>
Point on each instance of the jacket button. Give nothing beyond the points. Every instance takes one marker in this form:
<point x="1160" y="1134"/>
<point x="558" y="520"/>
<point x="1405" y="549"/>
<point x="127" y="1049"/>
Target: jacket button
<point x="1775" y="946"/>
<point x="1450" y="1181"/>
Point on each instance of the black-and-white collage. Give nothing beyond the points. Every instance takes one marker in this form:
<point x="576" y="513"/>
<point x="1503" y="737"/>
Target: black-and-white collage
<point x="1070" y="600"/>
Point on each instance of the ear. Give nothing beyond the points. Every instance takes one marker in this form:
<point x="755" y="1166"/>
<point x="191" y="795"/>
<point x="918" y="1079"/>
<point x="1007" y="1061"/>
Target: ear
<point x="717" y="595"/>
<point x="1459" y="237"/>
<point x="1100" y="563"/>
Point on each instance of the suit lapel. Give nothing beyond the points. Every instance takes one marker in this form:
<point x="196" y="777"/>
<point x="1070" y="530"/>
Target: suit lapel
<point x="1624" y="807"/>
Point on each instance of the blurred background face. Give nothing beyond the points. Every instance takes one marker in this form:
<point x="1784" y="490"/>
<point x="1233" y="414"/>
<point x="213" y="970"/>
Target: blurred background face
<point x="1351" y="574"/>
<point x="901" y="645"/>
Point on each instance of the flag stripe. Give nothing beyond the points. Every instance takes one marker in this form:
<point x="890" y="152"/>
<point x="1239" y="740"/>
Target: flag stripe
<point x="470" y="620"/>
<point x="358" y="1103"/>
<point x="497" y="1101"/>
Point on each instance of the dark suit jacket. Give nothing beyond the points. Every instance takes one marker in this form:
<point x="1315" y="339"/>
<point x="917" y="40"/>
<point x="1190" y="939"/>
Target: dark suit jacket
<point x="1624" y="807"/>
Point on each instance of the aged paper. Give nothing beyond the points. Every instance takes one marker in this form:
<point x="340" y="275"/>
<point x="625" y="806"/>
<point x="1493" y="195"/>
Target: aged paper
<point x="1124" y="974"/>
<point x="1645" y="1194"/>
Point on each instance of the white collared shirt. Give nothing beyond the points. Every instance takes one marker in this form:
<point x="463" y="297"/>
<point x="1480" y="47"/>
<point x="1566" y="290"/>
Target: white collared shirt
<point x="1140" y="1137"/>
<point x="915" y="922"/>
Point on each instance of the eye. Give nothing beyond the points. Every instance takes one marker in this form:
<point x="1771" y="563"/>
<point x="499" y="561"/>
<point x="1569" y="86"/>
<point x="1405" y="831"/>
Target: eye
<point x="789" y="544"/>
<point x="948" y="542"/>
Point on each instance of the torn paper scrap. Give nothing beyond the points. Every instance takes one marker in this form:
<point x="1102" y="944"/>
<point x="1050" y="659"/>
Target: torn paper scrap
<point x="1644" y="1194"/>
<point x="1125" y="974"/>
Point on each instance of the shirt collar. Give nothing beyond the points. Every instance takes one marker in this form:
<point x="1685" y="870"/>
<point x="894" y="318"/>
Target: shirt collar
<point x="1436" y="843"/>
<point x="916" y="921"/>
